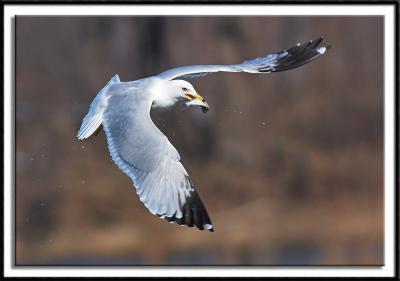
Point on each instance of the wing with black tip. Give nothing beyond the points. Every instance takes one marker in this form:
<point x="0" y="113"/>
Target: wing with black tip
<point x="293" y="57"/>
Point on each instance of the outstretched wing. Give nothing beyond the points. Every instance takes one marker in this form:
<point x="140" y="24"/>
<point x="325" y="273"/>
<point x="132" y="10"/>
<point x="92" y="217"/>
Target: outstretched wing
<point x="140" y="150"/>
<point x="294" y="57"/>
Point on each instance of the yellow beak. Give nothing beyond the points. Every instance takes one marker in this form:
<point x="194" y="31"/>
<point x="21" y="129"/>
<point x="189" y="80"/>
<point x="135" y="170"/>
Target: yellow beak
<point x="192" y="96"/>
<point x="196" y="99"/>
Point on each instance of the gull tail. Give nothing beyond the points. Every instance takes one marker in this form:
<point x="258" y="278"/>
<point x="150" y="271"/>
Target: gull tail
<point x="91" y="124"/>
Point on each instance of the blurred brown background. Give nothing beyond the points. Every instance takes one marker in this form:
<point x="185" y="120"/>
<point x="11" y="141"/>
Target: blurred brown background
<point x="289" y="165"/>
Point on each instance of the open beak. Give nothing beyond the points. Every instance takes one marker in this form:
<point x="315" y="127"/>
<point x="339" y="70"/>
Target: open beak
<point x="196" y="99"/>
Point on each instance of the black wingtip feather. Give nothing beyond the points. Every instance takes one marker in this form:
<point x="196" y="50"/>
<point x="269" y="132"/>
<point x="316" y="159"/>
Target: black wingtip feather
<point x="299" y="55"/>
<point x="193" y="213"/>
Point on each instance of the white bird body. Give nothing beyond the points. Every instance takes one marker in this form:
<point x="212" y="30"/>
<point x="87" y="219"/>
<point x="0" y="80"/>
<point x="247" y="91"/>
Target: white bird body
<point x="144" y="153"/>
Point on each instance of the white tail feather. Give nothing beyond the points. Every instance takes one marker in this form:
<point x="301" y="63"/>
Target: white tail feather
<point x="89" y="125"/>
<point x="94" y="118"/>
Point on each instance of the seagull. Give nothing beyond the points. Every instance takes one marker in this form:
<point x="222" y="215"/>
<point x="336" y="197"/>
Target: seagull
<point x="144" y="153"/>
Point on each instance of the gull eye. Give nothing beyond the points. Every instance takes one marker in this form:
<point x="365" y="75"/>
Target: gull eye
<point x="184" y="89"/>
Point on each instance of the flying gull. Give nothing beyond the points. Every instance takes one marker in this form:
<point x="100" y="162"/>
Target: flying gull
<point x="144" y="153"/>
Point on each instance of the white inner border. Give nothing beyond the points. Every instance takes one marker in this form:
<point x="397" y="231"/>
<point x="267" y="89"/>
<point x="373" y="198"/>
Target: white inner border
<point x="388" y="11"/>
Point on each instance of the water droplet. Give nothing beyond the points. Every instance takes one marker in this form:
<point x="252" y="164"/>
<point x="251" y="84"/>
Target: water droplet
<point x="83" y="182"/>
<point x="263" y="123"/>
<point x="83" y="147"/>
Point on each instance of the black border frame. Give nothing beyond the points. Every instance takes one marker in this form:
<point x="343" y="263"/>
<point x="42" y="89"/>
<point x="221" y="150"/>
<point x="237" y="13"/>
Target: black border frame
<point x="212" y="2"/>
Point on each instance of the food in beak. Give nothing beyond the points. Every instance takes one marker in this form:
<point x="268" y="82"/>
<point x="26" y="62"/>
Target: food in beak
<point x="205" y="109"/>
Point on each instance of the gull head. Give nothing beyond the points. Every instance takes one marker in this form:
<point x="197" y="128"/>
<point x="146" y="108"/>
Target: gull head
<point x="179" y="91"/>
<point x="188" y="95"/>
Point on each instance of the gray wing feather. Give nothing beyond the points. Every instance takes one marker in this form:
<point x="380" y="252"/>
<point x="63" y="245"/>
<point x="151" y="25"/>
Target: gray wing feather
<point x="295" y="56"/>
<point x="141" y="151"/>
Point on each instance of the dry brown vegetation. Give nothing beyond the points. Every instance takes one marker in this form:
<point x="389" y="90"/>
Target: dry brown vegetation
<point x="289" y="165"/>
